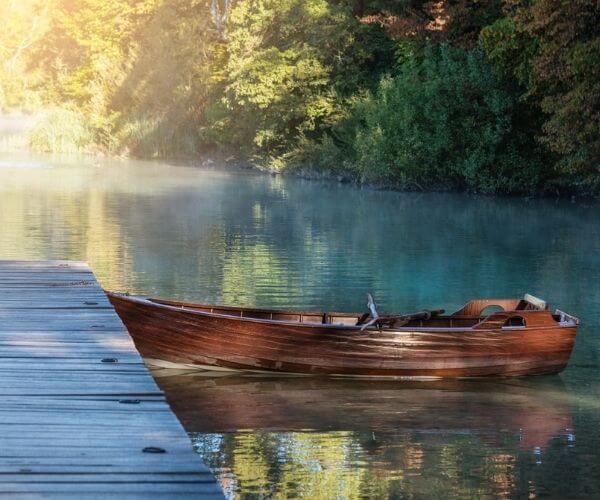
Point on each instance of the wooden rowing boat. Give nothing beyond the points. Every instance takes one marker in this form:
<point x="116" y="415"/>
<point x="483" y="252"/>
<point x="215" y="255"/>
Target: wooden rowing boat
<point x="521" y="337"/>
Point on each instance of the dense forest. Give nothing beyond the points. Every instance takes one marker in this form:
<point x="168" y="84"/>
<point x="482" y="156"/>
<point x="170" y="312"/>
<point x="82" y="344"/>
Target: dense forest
<point x="487" y="96"/>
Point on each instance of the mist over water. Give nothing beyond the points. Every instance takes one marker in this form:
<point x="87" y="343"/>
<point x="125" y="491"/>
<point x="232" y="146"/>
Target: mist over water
<point x="242" y="238"/>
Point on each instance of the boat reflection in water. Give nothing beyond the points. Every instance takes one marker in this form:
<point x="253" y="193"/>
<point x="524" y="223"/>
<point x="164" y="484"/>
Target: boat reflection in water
<point x="325" y="438"/>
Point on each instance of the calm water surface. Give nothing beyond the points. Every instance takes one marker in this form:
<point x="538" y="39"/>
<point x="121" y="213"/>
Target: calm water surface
<point x="256" y="240"/>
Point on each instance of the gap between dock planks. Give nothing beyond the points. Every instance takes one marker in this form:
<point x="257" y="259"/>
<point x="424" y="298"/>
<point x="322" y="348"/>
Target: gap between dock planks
<point x="70" y="424"/>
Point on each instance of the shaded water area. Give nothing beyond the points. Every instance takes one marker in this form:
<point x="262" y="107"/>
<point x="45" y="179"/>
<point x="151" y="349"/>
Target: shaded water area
<point x="257" y="240"/>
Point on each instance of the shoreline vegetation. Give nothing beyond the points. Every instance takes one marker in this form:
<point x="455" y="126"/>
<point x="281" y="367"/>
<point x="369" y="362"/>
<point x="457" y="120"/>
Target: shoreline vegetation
<point x="492" y="97"/>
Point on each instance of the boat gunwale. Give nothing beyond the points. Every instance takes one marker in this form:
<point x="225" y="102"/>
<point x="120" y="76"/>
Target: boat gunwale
<point x="332" y="326"/>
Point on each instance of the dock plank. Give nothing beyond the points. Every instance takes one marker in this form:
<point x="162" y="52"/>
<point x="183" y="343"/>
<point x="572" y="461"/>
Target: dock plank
<point x="71" y="424"/>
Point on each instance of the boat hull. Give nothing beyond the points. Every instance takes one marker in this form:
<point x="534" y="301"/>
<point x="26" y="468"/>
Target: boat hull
<point x="184" y="338"/>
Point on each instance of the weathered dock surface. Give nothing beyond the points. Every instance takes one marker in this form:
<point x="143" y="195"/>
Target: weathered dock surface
<point x="80" y="415"/>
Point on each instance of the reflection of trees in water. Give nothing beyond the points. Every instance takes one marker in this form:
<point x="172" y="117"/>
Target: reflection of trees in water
<point x="60" y="214"/>
<point x="262" y="240"/>
<point x="311" y="465"/>
<point x="371" y="464"/>
<point x="288" y="243"/>
<point x="362" y="464"/>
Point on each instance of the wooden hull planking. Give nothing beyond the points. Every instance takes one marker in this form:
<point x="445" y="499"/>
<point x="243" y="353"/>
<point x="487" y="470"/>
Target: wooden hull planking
<point x="180" y="336"/>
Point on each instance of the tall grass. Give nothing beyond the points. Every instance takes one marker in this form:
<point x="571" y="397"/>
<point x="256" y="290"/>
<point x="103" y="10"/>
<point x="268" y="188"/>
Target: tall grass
<point x="61" y="131"/>
<point x="149" y="137"/>
<point x="64" y="130"/>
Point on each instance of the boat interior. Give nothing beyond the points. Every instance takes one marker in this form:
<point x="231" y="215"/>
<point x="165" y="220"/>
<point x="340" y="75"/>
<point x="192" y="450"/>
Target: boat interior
<point x="471" y="314"/>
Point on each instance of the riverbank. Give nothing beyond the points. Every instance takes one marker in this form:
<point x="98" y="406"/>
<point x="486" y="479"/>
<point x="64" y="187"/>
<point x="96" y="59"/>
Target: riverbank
<point x="41" y="133"/>
<point x="553" y="191"/>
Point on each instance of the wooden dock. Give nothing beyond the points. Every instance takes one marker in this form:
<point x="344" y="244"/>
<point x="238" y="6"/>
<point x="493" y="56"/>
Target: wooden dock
<point x="80" y="415"/>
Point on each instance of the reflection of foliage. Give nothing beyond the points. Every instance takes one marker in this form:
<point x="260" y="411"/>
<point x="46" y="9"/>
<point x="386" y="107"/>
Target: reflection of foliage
<point x="370" y="464"/>
<point x="357" y="465"/>
<point x="487" y="439"/>
<point x="275" y="242"/>
<point x="310" y="465"/>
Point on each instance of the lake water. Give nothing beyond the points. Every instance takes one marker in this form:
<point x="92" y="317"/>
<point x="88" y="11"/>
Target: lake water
<point x="243" y="238"/>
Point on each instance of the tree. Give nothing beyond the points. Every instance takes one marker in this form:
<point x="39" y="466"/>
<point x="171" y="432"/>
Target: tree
<point x="86" y="53"/>
<point x="568" y="71"/>
<point x="290" y="64"/>
<point x="24" y="23"/>
<point x="175" y="74"/>
<point x="559" y="67"/>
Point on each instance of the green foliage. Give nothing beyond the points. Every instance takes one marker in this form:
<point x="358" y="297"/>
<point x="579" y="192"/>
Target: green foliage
<point x="445" y="121"/>
<point x="85" y="57"/>
<point x="24" y="23"/>
<point x="466" y="19"/>
<point x="290" y="65"/>
<point x="511" y="52"/>
<point x="568" y="68"/>
<point x="372" y="7"/>
<point x="493" y="96"/>
<point x="553" y="49"/>
<point x="87" y="49"/>
<point x="170" y="81"/>
<point x="142" y="71"/>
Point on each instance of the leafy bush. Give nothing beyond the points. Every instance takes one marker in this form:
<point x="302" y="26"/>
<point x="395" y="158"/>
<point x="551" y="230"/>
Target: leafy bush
<point x="445" y="121"/>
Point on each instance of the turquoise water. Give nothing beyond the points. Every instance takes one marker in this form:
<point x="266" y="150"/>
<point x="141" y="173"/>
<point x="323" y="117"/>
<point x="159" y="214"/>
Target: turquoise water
<point x="233" y="237"/>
